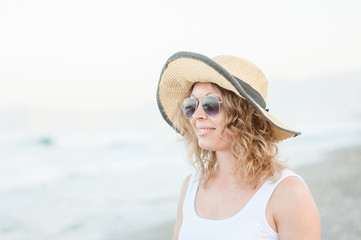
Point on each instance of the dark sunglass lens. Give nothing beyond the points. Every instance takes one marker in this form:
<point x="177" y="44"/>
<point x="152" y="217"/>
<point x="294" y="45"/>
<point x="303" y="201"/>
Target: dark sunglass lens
<point x="189" y="107"/>
<point x="210" y="105"/>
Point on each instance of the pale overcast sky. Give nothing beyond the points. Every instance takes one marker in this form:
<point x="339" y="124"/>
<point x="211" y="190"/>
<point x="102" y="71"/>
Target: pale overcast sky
<point x="83" y="54"/>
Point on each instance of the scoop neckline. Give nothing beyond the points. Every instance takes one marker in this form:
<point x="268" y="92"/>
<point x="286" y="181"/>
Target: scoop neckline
<point x="232" y="218"/>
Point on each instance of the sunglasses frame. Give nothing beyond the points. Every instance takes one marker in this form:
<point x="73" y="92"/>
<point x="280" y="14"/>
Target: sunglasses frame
<point x="200" y="101"/>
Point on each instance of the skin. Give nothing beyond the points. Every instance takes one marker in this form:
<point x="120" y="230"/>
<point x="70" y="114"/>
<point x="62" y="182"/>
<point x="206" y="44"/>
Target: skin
<point x="291" y="211"/>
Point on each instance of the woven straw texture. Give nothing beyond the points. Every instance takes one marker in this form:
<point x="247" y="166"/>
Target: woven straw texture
<point x="181" y="73"/>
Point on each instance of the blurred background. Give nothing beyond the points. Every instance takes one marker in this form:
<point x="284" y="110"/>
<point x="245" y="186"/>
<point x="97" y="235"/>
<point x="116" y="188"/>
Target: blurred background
<point x="84" y="152"/>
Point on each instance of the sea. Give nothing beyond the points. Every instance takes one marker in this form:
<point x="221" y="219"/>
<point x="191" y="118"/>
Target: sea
<point x="92" y="182"/>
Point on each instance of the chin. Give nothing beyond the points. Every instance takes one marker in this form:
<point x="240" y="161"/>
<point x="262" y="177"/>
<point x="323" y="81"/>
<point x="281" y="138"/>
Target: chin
<point x="213" y="146"/>
<point x="209" y="147"/>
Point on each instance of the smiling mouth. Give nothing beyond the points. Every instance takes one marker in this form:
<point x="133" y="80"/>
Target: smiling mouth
<point x="204" y="130"/>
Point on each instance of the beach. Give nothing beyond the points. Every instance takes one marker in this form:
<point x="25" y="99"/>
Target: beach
<point x="336" y="187"/>
<point x="335" y="183"/>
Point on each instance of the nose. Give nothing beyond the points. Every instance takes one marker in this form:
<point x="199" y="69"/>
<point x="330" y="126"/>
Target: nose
<point x="199" y="113"/>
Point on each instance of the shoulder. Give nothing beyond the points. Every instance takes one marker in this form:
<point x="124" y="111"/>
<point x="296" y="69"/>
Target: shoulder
<point x="294" y="210"/>
<point x="180" y="205"/>
<point x="184" y="190"/>
<point x="185" y="186"/>
<point x="291" y="188"/>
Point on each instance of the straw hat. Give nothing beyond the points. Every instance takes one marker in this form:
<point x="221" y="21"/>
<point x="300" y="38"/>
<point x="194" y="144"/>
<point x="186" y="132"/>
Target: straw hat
<point x="240" y="76"/>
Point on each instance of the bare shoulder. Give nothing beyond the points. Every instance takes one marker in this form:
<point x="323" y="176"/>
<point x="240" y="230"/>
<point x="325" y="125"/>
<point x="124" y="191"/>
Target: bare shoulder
<point x="180" y="205"/>
<point x="186" y="180"/>
<point x="185" y="187"/>
<point x="184" y="190"/>
<point x="292" y="188"/>
<point x="294" y="210"/>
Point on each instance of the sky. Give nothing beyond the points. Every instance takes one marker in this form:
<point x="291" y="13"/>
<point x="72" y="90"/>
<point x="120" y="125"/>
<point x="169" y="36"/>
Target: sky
<point x="106" y="56"/>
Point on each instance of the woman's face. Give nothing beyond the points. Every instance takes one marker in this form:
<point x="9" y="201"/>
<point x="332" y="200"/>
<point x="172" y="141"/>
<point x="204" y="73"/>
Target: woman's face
<point x="209" y="130"/>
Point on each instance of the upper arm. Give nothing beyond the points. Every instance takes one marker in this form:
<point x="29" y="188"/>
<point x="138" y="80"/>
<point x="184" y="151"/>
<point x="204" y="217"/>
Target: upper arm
<point x="294" y="211"/>
<point x="179" y="220"/>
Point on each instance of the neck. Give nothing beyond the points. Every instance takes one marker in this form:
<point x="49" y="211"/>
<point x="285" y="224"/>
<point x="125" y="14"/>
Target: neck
<point x="225" y="171"/>
<point x="226" y="161"/>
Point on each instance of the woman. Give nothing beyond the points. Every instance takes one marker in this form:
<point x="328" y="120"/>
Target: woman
<point x="240" y="190"/>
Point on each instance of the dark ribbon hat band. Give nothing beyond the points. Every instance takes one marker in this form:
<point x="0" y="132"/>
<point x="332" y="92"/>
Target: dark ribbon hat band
<point x="256" y="96"/>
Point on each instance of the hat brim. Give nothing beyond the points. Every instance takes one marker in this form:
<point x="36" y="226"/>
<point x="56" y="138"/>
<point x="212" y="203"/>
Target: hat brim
<point x="183" y="69"/>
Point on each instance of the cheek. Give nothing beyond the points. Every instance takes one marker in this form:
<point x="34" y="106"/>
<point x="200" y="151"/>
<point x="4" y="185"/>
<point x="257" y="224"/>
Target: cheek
<point x="193" y="123"/>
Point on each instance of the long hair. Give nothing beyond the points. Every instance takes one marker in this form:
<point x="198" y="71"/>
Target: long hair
<point x="253" y="145"/>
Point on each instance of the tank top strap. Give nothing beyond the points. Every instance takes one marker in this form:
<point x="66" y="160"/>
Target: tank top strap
<point x="263" y="195"/>
<point x="269" y="186"/>
<point x="188" y="204"/>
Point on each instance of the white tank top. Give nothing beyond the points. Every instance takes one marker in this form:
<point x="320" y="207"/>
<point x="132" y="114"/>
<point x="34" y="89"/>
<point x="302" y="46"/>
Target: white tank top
<point x="249" y="223"/>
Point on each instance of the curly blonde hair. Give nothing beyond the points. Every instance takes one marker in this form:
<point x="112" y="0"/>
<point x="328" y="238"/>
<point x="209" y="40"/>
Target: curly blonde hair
<point x="252" y="142"/>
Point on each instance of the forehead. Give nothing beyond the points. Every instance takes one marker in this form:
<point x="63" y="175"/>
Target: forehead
<point x="203" y="89"/>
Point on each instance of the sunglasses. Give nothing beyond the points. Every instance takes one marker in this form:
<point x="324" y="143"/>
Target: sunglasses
<point x="210" y="104"/>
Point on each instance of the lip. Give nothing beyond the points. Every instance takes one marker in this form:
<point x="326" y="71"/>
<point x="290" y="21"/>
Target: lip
<point x="202" y="131"/>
